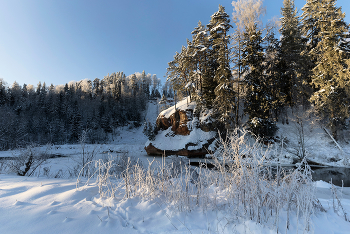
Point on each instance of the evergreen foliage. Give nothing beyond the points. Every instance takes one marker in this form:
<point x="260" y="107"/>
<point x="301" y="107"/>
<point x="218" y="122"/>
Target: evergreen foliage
<point x="199" y="53"/>
<point x="310" y="30"/>
<point x="310" y="63"/>
<point x="181" y="69"/>
<point x="310" y="27"/>
<point x="224" y="92"/>
<point x="258" y="99"/>
<point x="245" y="14"/>
<point x="331" y="72"/>
<point x="209" y="84"/>
<point x="291" y="57"/>
<point x="274" y="80"/>
<point x="60" y="114"/>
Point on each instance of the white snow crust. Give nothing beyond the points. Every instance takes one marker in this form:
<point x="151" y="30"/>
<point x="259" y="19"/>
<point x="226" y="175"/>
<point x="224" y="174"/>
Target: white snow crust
<point x="167" y="140"/>
<point x="181" y="105"/>
<point x="42" y="204"/>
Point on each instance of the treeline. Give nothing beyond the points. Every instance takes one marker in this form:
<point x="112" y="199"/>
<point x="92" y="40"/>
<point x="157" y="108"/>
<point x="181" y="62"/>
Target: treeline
<point x="67" y="113"/>
<point x="251" y="72"/>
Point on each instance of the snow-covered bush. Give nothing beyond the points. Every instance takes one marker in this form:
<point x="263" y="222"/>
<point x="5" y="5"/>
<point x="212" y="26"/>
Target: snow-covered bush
<point x="85" y="157"/>
<point x="244" y="182"/>
<point x="28" y="160"/>
<point x="337" y="205"/>
<point x="258" y="191"/>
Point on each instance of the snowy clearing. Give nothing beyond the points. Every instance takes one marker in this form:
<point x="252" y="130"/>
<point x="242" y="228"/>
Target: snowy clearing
<point x="41" y="202"/>
<point x="36" y="205"/>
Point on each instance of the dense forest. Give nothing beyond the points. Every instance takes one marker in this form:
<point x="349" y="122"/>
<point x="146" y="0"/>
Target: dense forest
<point x="247" y="69"/>
<point x="235" y="66"/>
<point x="85" y="110"/>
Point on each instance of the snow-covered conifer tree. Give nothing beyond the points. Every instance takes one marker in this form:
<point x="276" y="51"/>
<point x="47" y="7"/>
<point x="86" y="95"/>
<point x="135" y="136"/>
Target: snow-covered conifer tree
<point x="293" y="61"/>
<point x="199" y="50"/>
<point x="224" y="102"/>
<point x="245" y="14"/>
<point x="258" y="99"/>
<point x="2" y="93"/>
<point x="331" y="74"/>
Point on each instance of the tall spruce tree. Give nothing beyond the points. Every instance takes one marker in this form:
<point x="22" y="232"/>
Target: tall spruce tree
<point x="2" y="93"/>
<point x="258" y="99"/>
<point x="179" y="71"/>
<point x="310" y="27"/>
<point x="224" y="102"/>
<point x="245" y="14"/>
<point x="193" y="75"/>
<point x="331" y="74"/>
<point x="208" y="82"/>
<point x="199" y="47"/>
<point x="145" y="84"/>
<point x="292" y="60"/>
<point x="274" y="78"/>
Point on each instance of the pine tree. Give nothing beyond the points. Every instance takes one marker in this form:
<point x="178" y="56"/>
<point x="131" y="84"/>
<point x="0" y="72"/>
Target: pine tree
<point x="245" y="14"/>
<point x="133" y="85"/>
<point x="293" y="62"/>
<point x="190" y="64"/>
<point x="145" y="84"/>
<point x="310" y="26"/>
<point x="208" y="82"/>
<point x="310" y="30"/>
<point x="273" y="75"/>
<point x="331" y="74"/>
<point x="14" y="94"/>
<point x="97" y="90"/>
<point x="24" y="93"/>
<point x="2" y="93"/>
<point x="198" y="51"/>
<point x="179" y="71"/>
<point x="258" y="99"/>
<point x="224" y="102"/>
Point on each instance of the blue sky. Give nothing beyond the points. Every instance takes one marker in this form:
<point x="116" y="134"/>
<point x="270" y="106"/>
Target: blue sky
<point x="56" y="41"/>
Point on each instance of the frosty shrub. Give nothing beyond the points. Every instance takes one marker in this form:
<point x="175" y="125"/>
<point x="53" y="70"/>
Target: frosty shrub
<point x="244" y="182"/>
<point x="29" y="159"/>
<point x="3" y="167"/>
<point x="85" y="157"/>
<point x="337" y="205"/>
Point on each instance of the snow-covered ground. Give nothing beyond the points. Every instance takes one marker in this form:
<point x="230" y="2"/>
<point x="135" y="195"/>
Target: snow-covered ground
<point x="44" y="204"/>
<point x="319" y="146"/>
<point x="176" y="142"/>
